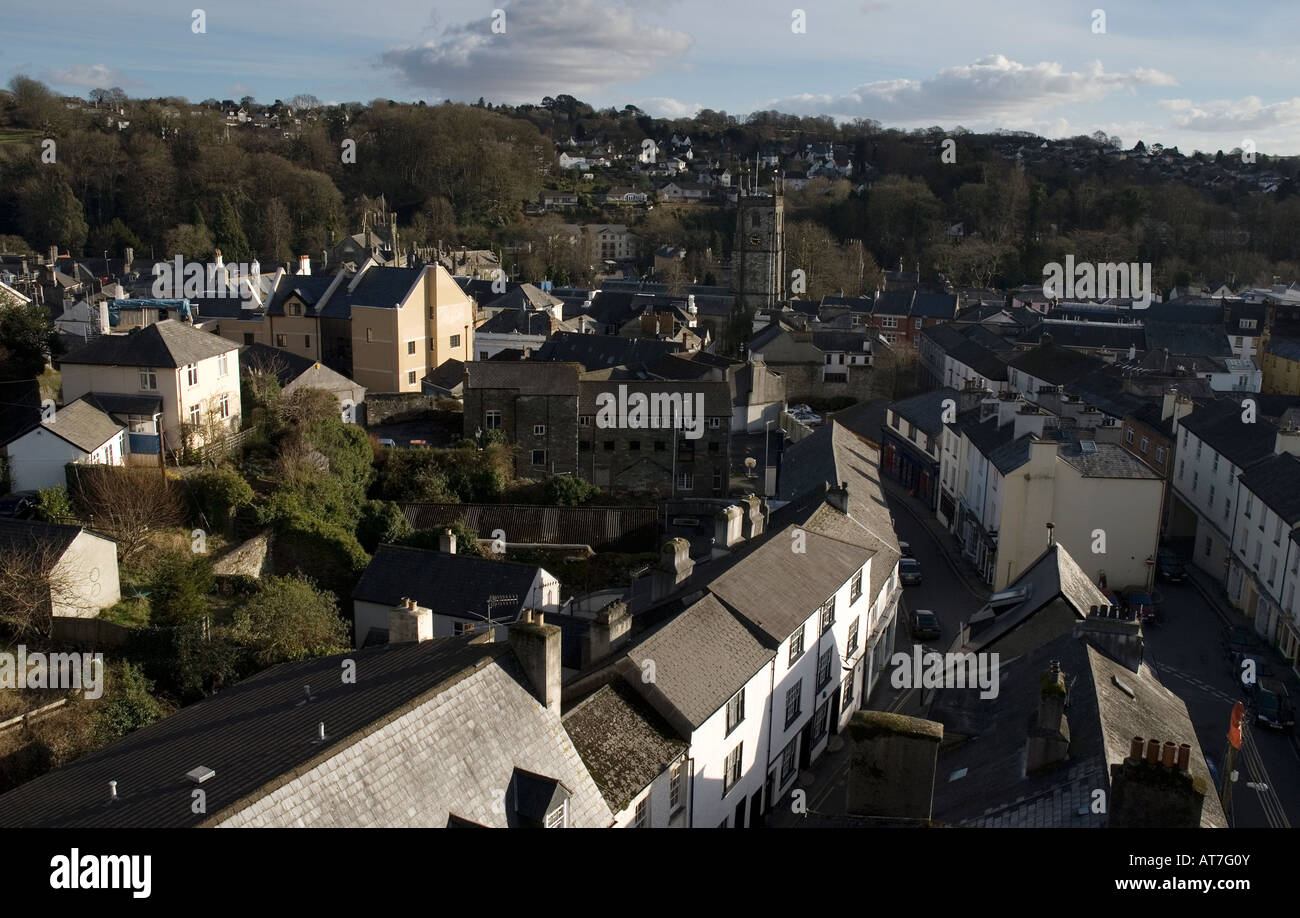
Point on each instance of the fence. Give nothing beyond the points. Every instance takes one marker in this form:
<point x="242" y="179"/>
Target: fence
<point x="92" y="632"/>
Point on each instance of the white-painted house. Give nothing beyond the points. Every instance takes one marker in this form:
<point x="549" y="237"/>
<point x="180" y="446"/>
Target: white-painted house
<point x="78" y="432"/>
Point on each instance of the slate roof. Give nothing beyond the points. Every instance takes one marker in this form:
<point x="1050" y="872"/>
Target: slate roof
<point x="852" y="342"/>
<point x="19" y="534"/>
<point x="20" y="408"/>
<point x="1286" y="348"/>
<point x="1087" y="335"/>
<point x="164" y="344"/>
<point x="530" y="377"/>
<point x="994" y="790"/>
<point x="1219" y="426"/>
<point x="935" y="305"/>
<point x="1107" y="460"/>
<point x="449" y="374"/>
<point x="702" y="657"/>
<point x="310" y="288"/>
<point x="380" y="288"/>
<point x="287" y="365"/>
<point x="925" y="410"/>
<point x="717" y="394"/>
<point x="431" y="730"/>
<point x="761" y="587"/>
<point x="980" y="359"/>
<point x="1276" y="482"/>
<point x="623" y="741"/>
<point x="997" y="444"/>
<point x="83" y="425"/>
<point x="596" y="352"/>
<point x="1053" y="364"/>
<point x="1238" y="312"/>
<point x="1188" y="338"/>
<point x="456" y="585"/>
<point x="123" y="406"/>
<point x="893" y="302"/>
<point x="864" y="419"/>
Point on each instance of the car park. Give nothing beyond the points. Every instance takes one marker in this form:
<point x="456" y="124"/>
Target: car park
<point x="925" y="625"/>
<point x="909" y="572"/>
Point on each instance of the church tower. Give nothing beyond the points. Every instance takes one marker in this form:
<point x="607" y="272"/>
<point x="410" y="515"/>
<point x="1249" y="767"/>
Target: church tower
<point x="758" y="255"/>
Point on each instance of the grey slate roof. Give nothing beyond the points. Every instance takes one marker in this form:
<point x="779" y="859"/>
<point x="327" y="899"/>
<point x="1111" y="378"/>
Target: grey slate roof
<point x="427" y="730"/>
<point x="864" y="419"/>
<point x="1219" y="425"/>
<point x="998" y="445"/>
<point x="1188" y="338"/>
<point x="623" y="741"/>
<point x="1276" y="482"/>
<point x="1286" y="348"/>
<point x="83" y="425"/>
<point x="529" y="377"/>
<point x="994" y="790"/>
<point x="761" y="588"/>
<point x="457" y="585"/>
<point x="926" y="410"/>
<point x="1053" y="364"/>
<point x="701" y="658"/>
<point x="597" y="352"/>
<point x="19" y="534"/>
<point x="603" y="528"/>
<point x="164" y="344"/>
<point x="1108" y="460"/>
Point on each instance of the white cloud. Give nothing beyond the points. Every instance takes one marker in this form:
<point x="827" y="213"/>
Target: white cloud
<point x="569" y="46"/>
<point x="664" y="107"/>
<point x="1248" y="114"/>
<point x="89" y="76"/>
<point x="992" y="88"/>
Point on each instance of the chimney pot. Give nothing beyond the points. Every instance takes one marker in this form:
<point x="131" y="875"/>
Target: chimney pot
<point x="1135" y="748"/>
<point x="1153" y="751"/>
<point x="1184" y="757"/>
<point x="1169" y="755"/>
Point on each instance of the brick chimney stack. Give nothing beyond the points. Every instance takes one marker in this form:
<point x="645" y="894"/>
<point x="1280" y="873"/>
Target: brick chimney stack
<point x="1049" y="730"/>
<point x="408" y="622"/>
<point x="1154" y="788"/>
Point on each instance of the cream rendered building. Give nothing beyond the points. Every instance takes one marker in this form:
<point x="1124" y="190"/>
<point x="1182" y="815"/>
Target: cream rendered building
<point x="194" y="373"/>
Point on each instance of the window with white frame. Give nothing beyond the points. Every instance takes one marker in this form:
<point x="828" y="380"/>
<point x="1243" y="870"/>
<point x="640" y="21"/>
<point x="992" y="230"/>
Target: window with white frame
<point x="1142" y="446"/>
<point x="223" y="407"/>
<point x="676" y="786"/>
<point x="826" y="614"/>
<point x="855" y="588"/>
<point x="539" y="430"/>
<point x="149" y="380"/>
<point x="1160" y="454"/>
<point x="492" y="419"/>
<point x="796" y="645"/>
<point x="642" y="814"/>
<point x="852" y="647"/>
<point x="194" y="415"/>
<point x="558" y="818"/>
<point x="685" y="481"/>
<point x="1128" y="436"/>
<point x="819" y="721"/>
<point x="223" y="365"/>
<point x="192" y="375"/>
<point x="846" y="699"/>
<point x="889" y="322"/>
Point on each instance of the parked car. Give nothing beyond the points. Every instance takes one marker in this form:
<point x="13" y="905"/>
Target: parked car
<point x="909" y="572"/>
<point x="1170" y="567"/>
<point x="1140" y="603"/>
<point x="906" y="549"/>
<point x="1238" y="640"/>
<point x="1273" y="706"/>
<point x="20" y="505"/>
<point x="387" y="441"/>
<point x="925" y="625"/>
<point x="1260" y="670"/>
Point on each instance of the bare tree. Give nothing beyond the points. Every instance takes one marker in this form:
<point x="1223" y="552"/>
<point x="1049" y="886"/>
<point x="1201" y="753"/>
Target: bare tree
<point x="34" y="578"/>
<point x="130" y="504"/>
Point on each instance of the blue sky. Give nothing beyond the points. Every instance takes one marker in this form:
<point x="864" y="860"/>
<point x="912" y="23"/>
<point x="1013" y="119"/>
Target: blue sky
<point x="1196" y="74"/>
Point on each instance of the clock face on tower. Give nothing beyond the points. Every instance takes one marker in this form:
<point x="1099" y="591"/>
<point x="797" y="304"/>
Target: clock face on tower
<point x="755" y="239"/>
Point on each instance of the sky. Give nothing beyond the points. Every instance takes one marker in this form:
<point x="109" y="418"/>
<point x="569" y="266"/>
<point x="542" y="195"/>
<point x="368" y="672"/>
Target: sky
<point x="1188" y="73"/>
